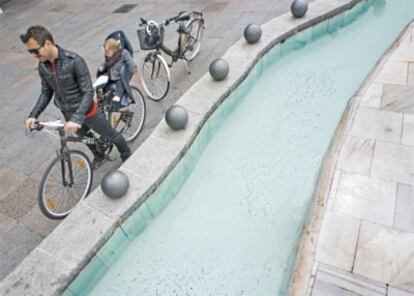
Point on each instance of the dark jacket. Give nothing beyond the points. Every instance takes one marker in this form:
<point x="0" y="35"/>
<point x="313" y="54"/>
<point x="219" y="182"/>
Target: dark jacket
<point x="71" y="84"/>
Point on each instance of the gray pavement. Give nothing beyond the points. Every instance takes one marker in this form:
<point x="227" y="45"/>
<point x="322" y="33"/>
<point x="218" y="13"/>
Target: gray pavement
<point x="81" y="26"/>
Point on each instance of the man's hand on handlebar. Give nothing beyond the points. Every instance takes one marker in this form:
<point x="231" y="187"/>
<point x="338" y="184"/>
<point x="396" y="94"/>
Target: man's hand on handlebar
<point x="30" y="123"/>
<point x="71" y="128"/>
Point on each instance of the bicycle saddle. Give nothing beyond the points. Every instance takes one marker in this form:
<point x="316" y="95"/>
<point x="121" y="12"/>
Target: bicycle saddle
<point x="183" y="16"/>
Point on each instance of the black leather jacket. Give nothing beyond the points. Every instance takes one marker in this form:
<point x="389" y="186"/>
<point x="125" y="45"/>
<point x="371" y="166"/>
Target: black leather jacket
<point x="71" y="84"/>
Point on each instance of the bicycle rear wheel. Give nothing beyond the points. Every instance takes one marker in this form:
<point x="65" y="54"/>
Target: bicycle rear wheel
<point x="65" y="183"/>
<point x="130" y="122"/>
<point x="155" y="76"/>
<point x="192" y="38"/>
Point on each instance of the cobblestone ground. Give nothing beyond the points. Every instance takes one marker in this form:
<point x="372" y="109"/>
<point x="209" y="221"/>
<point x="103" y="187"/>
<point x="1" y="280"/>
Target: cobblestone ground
<point x="81" y="26"/>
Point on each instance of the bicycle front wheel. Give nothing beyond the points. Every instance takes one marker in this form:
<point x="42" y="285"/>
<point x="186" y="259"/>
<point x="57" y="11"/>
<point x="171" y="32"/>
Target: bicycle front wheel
<point x="155" y="76"/>
<point x="65" y="183"/>
<point x="130" y="122"/>
<point x="192" y="38"/>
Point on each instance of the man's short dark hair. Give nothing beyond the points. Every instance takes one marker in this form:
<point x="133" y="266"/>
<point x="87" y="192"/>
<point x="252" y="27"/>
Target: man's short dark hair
<point x="38" y="33"/>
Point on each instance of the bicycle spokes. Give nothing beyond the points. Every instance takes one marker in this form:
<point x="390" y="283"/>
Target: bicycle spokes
<point x="51" y="204"/>
<point x="81" y="164"/>
<point x="66" y="182"/>
<point x="130" y="121"/>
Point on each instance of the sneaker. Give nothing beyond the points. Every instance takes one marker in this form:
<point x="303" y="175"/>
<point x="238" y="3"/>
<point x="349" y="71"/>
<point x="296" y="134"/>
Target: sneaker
<point x="125" y="157"/>
<point x="96" y="162"/>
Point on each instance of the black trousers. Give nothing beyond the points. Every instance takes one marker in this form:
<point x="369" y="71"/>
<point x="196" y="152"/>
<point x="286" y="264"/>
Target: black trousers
<point x="100" y="124"/>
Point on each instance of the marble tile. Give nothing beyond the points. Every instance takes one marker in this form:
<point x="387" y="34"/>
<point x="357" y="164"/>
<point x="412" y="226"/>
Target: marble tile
<point x="322" y="288"/>
<point x="372" y="97"/>
<point x="331" y="281"/>
<point x="337" y="240"/>
<point x="379" y="125"/>
<point x="411" y="68"/>
<point x="397" y="292"/>
<point x="410" y="79"/>
<point x="404" y="208"/>
<point x="412" y="35"/>
<point x="366" y="198"/>
<point x="406" y="38"/>
<point x="398" y="98"/>
<point x="356" y="155"/>
<point x="408" y="130"/>
<point x="403" y="53"/>
<point x="333" y="189"/>
<point x="393" y="72"/>
<point x="386" y="255"/>
<point x="393" y="162"/>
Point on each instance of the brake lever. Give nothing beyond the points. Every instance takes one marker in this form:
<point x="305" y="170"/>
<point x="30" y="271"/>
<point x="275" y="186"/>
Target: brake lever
<point x="143" y="21"/>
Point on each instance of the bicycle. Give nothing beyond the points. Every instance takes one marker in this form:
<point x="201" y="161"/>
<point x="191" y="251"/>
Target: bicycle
<point x="155" y="73"/>
<point x="129" y="121"/>
<point x="68" y="178"/>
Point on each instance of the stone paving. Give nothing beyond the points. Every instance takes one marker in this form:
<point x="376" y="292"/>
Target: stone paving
<point x="81" y="26"/>
<point x="366" y="241"/>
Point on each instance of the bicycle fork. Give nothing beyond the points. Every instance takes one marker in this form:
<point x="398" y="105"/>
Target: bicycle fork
<point x="68" y="160"/>
<point x="155" y="66"/>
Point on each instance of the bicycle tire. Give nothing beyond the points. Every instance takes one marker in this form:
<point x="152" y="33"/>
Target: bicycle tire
<point x="155" y="76"/>
<point x="130" y="123"/>
<point x="193" y="37"/>
<point x="46" y="202"/>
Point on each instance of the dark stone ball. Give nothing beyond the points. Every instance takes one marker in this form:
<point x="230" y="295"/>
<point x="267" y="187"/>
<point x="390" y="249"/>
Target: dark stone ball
<point x="115" y="184"/>
<point x="176" y="117"/>
<point x="219" y="69"/>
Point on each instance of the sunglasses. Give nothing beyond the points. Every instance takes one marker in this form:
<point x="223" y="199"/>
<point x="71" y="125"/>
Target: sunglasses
<point x="35" y="51"/>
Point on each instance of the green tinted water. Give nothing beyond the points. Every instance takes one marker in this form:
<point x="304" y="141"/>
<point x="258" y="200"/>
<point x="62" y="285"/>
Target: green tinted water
<point x="234" y="227"/>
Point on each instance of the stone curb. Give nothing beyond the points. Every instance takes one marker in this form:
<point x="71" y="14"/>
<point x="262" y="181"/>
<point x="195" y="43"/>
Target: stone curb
<point x="69" y="248"/>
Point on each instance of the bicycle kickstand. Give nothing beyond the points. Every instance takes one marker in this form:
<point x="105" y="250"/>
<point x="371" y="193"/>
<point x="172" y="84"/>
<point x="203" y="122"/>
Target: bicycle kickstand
<point x="186" y="66"/>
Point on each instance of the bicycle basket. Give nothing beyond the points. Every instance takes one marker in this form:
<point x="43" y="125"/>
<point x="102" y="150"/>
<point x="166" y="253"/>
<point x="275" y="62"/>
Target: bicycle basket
<point x="148" y="42"/>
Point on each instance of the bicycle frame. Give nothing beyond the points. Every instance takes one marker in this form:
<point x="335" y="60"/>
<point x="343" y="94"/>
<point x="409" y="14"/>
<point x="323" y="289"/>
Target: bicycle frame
<point x="64" y="150"/>
<point x="177" y="52"/>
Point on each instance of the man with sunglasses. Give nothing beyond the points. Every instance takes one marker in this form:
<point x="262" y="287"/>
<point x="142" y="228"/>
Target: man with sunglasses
<point x="65" y="75"/>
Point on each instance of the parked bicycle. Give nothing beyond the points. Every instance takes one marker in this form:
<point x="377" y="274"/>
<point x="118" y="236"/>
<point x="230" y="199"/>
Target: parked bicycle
<point x="155" y="73"/>
<point x="128" y="121"/>
<point x="68" y="178"/>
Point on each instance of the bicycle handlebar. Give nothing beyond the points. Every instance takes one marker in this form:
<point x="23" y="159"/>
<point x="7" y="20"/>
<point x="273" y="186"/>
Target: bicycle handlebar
<point x="39" y="125"/>
<point x="167" y="21"/>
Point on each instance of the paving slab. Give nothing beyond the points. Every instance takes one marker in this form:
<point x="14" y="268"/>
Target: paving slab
<point x="404" y="208"/>
<point x="6" y="223"/>
<point x="385" y="254"/>
<point x="15" y="245"/>
<point x="19" y="202"/>
<point x="373" y="183"/>
<point x="398" y="98"/>
<point x="36" y="222"/>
